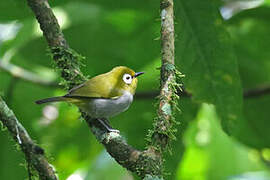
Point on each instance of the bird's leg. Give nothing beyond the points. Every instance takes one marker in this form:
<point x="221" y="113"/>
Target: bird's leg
<point x="105" y="120"/>
<point x="107" y="126"/>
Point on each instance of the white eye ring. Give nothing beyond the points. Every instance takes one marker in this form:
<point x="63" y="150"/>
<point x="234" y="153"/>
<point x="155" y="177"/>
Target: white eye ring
<point x="127" y="78"/>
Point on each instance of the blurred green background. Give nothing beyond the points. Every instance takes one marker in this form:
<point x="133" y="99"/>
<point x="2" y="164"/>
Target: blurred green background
<point x="222" y="47"/>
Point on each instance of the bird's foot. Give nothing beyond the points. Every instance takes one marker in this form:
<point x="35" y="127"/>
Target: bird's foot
<point x="107" y="126"/>
<point x="113" y="130"/>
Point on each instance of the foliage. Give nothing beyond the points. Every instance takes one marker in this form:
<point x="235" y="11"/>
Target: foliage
<point x="219" y="59"/>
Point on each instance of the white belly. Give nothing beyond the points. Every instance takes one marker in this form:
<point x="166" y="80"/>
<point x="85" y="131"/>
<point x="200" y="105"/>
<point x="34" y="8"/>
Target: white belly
<point x="104" y="108"/>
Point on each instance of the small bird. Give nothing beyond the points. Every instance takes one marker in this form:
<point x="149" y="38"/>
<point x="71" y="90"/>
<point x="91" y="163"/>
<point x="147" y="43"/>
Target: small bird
<point x="103" y="96"/>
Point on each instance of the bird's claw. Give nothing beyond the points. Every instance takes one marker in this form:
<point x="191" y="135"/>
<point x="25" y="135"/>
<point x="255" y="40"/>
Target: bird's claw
<point x="114" y="130"/>
<point x="107" y="126"/>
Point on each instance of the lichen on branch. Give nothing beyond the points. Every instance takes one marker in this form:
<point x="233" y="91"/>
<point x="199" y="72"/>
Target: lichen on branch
<point x="66" y="59"/>
<point x="143" y="163"/>
<point x="165" y="122"/>
<point x="164" y="129"/>
<point x="34" y="155"/>
<point x="68" y="62"/>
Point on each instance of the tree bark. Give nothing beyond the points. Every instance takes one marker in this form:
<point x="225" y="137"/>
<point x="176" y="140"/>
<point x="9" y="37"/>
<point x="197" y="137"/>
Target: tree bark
<point x="146" y="164"/>
<point x="34" y="154"/>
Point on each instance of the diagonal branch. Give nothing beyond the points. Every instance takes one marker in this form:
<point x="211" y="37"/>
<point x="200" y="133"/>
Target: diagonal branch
<point x="66" y="59"/>
<point x="33" y="153"/>
<point x="143" y="163"/>
<point x="25" y="75"/>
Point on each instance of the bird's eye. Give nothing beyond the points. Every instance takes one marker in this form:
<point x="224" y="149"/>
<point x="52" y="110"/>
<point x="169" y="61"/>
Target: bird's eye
<point x="127" y="78"/>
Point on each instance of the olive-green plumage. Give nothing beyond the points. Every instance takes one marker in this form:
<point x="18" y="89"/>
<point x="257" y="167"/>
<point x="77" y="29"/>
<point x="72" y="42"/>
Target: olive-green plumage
<point x="107" y="85"/>
<point x="104" y="95"/>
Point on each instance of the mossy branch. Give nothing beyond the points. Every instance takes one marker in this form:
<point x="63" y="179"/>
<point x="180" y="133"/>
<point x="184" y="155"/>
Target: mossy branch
<point x="164" y="129"/>
<point x="34" y="155"/>
<point x="146" y="164"/>
<point x="143" y="163"/>
<point x="66" y="59"/>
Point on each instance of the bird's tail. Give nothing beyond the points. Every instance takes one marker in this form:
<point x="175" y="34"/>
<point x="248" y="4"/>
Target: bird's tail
<point x="51" y="99"/>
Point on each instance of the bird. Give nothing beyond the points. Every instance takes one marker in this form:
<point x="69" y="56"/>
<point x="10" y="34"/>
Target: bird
<point x="103" y="96"/>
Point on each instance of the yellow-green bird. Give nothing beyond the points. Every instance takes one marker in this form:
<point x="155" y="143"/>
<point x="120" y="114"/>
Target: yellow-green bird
<point x="103" y="96"/>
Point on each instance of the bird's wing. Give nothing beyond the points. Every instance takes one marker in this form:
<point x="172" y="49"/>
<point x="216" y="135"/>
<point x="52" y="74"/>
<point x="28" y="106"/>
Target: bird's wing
<point x="97" y="87"/>
<point x="75" y="88"/>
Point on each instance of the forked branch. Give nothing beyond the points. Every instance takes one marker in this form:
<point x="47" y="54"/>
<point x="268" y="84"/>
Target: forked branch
<point x="146" y="164"/>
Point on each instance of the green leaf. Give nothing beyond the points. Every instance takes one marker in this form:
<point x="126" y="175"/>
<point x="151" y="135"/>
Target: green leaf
<point x="99" y="36"/>
<point x="257" y="116"/>
<point x="205" y="55"/>
<point x="13" y="10"/>
<point x="211" y="154"/>
<point x="250" y="34"/>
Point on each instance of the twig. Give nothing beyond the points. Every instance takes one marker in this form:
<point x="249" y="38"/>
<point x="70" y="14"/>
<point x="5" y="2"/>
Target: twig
<point x="153" y="94"/>
<point x="143" y="163"/>
<point x="23" y="74"/>
<point x="33" y="153"/>
<point x="258" y="91"/>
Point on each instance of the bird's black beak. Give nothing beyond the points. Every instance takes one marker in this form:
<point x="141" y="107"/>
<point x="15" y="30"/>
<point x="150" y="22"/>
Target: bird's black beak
<point x="138" y="74"/>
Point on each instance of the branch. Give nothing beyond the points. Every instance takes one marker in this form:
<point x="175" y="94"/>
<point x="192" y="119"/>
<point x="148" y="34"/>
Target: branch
<point x="67" y="60"/>
<point x="25" y="75"/>
<point x="33" y="153"/>
<point x="163" y="131"/>
<point x="258" y="91"/>
<point x="49" y="26"/>
<point x="153" y="94"/>
<point x="144" y="163"/>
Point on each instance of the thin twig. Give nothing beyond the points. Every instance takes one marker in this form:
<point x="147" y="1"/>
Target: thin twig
<point x="258" y="91"/>
<point x="154" y="94"/>
<point x="23" y="74"/>
<point x="34" y="154"/>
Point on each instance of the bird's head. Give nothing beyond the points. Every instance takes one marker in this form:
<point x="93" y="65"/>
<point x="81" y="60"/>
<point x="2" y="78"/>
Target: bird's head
<point x="125" y="78"/>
